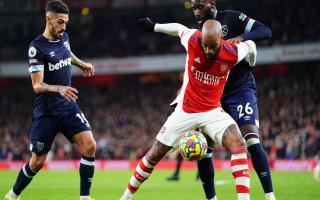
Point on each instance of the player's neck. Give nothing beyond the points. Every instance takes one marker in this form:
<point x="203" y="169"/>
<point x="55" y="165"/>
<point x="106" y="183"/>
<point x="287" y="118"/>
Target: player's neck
<point x="48" y="35"/>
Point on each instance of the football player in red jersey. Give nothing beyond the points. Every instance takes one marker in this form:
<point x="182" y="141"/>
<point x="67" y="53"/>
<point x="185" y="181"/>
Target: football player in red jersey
<point x="208" y="62"/>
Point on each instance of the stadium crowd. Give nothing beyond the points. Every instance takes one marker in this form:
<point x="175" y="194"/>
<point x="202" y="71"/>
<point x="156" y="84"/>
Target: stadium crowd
<point x="126" y="116"/>
<point x="114" y="33"/>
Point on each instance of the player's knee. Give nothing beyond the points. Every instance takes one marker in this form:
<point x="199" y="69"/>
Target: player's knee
<point x="90" y="148"/>
<point x="232" y="138"/>
<point x="37" y="162"/>
<point x="157" y="151"/>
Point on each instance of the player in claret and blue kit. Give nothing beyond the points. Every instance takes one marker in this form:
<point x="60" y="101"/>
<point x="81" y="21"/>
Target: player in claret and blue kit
<point x="55" y="108"/>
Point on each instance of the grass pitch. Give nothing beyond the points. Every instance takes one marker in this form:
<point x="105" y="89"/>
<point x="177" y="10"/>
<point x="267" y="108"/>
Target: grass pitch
<point x="109" y="185"/>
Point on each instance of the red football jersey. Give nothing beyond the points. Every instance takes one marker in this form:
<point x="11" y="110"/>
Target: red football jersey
<point x="204" y="78"/>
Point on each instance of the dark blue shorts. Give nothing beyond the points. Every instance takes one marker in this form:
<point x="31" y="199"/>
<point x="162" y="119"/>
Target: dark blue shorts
<point x="242" y="106"/>
<point x="45" y="128"/>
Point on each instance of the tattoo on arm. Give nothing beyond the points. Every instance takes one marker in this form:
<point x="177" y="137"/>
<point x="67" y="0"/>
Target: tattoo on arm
<point x="76" y="61"/>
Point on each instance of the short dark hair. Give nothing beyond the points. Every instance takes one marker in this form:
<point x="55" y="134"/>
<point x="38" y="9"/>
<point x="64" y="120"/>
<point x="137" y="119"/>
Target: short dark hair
<point x="57" y="6"/>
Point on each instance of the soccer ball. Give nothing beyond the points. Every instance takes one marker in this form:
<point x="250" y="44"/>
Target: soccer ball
<point x="193" y="146"/>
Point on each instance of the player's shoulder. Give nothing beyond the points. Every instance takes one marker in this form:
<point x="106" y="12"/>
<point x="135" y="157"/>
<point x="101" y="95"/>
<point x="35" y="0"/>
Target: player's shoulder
<point x="65" y="36"/>
<point x="228" y="12"/>
<point x="36" y="46"/>
<point x="36" y="42"/>
<point x="229" y="46"/>
<point x="231" y="14"/>
<point x="229" y="51"/>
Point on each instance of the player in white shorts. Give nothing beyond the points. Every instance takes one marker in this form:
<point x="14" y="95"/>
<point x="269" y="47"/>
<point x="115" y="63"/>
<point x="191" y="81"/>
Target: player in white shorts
<point x="208" y="62"/>
<point x="213" y="122"/>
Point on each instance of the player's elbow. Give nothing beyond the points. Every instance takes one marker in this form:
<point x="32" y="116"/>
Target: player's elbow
<point x="37" y="88"/>
<point x="268" y="33"/>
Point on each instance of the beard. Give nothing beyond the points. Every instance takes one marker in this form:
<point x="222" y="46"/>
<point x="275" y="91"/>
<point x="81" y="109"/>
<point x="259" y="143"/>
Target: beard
<point x="57" y="35"/>
<point x="209" y="14"/>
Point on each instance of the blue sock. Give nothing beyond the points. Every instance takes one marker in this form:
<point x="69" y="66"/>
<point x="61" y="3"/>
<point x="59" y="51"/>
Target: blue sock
<point x="86" y="174"/>
<point x="24" y="178"/>
<point x="260" y="163"/>
<point x="206" y="173"/>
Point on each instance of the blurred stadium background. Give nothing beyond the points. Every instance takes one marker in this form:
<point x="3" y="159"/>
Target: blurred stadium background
<point x="138" y="75"/>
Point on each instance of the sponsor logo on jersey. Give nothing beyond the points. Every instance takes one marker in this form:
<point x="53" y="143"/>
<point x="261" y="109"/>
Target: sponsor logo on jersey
<point x="52" y="54"/>
<point x="197" y="60"/>
<point x="206" y="78"/>
<point x="32" y="52"/>
<point x="60" y="64"/>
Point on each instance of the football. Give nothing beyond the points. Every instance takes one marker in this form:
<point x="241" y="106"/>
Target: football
<point x="193" y="146"/>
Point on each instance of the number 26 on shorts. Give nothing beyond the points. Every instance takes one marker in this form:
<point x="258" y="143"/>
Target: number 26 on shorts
<point x="244" y="110"/>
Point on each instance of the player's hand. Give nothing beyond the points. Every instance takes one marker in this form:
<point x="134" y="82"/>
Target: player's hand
<point x="146" y="24"/>
<point x="88" y="69"/>
<point x="69" y="93"/>
<point x="236" y="40"/>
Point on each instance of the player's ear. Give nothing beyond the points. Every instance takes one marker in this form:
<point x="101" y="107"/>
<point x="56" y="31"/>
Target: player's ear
<point x="48" y="19"/>
<point x="213" y="4"/>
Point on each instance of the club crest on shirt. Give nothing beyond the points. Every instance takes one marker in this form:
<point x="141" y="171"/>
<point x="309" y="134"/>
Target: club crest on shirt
<point x="32" y="52"/>
<point x="224" y="30"/>
<point x="67" y="45"/>
<point x="40" y="145"/>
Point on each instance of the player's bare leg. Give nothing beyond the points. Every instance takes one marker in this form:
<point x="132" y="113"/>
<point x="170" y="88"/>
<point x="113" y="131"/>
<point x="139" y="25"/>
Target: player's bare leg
<point x="145" y="168"/>
<point x="27" y="172"/>
<point x="87" y="145"/>
<point x="233" y="141"/>
<point x="259" y="158"/>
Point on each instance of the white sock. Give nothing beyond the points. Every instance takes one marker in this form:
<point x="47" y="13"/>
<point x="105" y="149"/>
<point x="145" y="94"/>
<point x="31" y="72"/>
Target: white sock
<point x="214" y="198"/>
<point x="12" y="194"/>
<point x="243" y="196"/>
<point x="84" y="197"/>
<point x="270" y="196"/>
<point x="128" y="193"/>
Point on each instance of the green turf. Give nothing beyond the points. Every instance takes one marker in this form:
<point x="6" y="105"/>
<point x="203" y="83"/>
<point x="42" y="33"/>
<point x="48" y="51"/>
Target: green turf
<point x="109" y="185"/>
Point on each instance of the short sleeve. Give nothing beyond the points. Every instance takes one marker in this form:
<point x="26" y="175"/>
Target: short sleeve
<point x="243" y="20"/>
<point x="243" y="50"/>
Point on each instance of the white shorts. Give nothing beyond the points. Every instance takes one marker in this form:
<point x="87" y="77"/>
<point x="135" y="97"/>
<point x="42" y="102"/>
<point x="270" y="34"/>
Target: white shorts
<point x="213" y="122"/>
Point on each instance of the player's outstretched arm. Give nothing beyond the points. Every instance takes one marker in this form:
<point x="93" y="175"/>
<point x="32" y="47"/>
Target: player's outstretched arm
<point x="69" y="93"/>
<point x="173" y="29"/>
<point x="87" y="68"/>
<point x="258" y="32"/>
